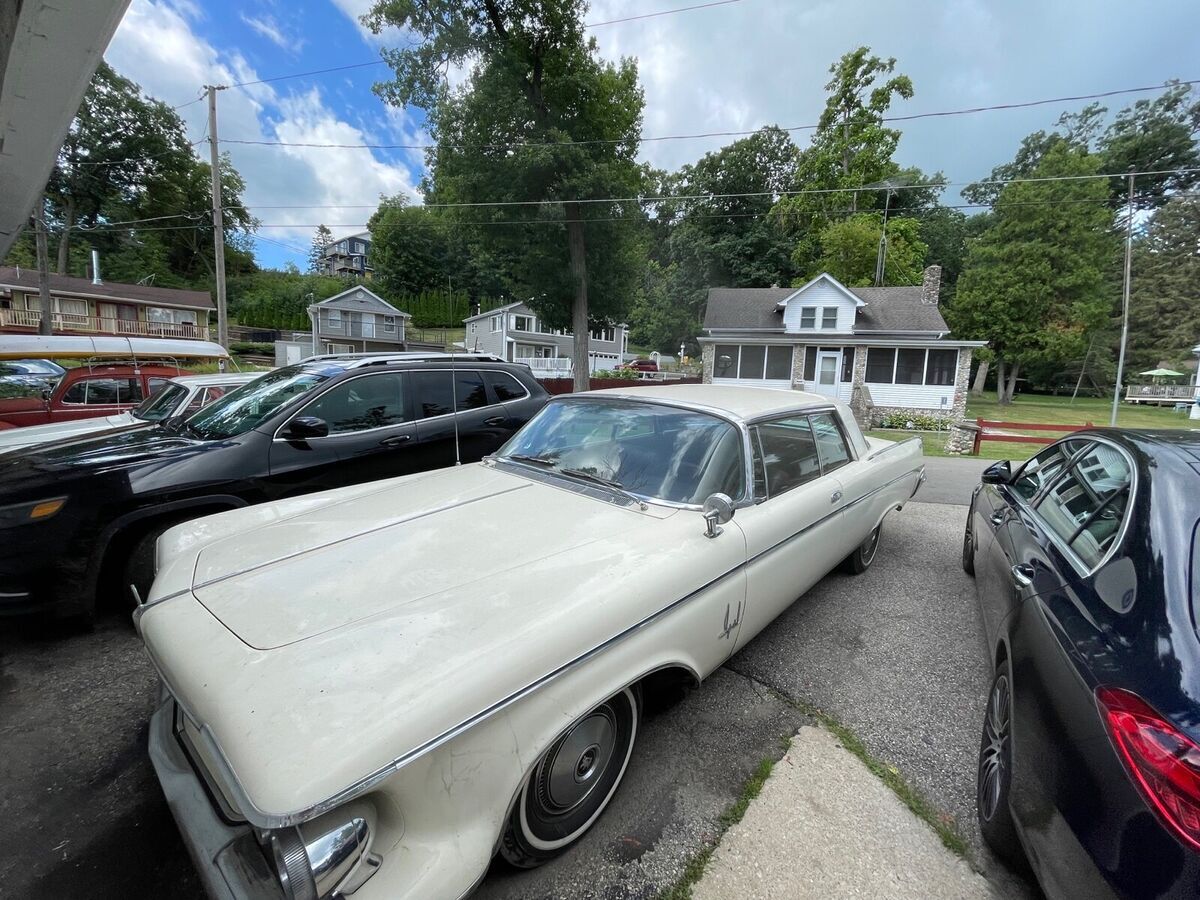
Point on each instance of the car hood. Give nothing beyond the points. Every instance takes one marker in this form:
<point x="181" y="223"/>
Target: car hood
<point x="18" y="438"/>
<point x="288" y="628"/>
<point x="95" y="453"/>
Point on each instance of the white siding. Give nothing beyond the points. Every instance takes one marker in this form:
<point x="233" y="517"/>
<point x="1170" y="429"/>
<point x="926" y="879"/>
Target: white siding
<point x="820" y="295"/>
<point x="916" y="396"/>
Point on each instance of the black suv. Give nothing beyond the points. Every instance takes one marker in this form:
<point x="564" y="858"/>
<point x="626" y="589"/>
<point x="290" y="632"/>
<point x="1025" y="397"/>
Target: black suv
<point x="82" y="515"/>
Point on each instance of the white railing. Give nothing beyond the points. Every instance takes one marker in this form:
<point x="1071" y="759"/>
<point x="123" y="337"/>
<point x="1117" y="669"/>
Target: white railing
<point x="60" y="322"/>
<point x="1160" y="392"/>
<point x="547" y="366"/>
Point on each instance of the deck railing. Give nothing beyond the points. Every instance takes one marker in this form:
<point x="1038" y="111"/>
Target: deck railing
<point x="1136" y="392"/>
<point x="66" y="322"/>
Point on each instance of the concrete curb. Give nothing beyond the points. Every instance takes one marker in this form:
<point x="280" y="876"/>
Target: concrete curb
<point x="825" y="826"/>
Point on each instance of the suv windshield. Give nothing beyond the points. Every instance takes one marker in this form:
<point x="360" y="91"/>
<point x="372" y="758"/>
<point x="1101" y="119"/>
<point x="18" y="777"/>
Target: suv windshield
<point x="652" y="451"/>
<point x="241" y="410"/>
<point x="160" y="405"/>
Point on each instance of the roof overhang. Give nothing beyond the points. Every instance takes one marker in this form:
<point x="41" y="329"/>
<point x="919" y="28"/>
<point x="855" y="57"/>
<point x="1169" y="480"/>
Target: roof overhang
<point x="858" y="340"/>
<point x="48" y="53"/>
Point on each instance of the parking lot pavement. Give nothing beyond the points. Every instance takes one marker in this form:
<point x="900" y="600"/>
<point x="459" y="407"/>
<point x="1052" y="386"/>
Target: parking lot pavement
<point x="950" y="479"/>
<point x="895" y="653"/>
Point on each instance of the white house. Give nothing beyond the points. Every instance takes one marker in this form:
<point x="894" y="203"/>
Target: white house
<point x="879" y="348"/>
<point x="516" y="333"/>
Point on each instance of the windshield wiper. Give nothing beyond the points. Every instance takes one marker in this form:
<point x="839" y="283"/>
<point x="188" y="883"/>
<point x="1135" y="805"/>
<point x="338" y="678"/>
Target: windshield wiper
<point x="536" y="460"/>
<point x="606" y="482"/>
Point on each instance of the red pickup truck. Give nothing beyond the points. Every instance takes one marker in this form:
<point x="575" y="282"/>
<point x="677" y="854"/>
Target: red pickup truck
<point x="84" y="392"/>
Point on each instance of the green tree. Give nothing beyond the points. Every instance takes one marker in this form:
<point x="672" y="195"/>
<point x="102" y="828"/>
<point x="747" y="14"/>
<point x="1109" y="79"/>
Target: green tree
<point x="322" y="238"/>
<point x="851" y="147"/>
<point x="1164" y="304"/>
<point x="850" y="251"/>
<point x="410" y="247"/>
<point x="542" y="122"/>
<point x="1036" y="283"/>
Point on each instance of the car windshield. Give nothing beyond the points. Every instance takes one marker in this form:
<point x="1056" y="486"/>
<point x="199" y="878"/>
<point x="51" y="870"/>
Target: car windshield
<point x="650" y="450"/>
<point x="161" y="404"/>
<point x="241" y="410"/>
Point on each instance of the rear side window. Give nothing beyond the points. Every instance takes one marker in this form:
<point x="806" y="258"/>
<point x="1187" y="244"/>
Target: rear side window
<point x="438" y="392"/>
<point x="506" y="387"/>
<point x="1086" y="505"/>
<point x="831" y="444"/>
<point x="786" y="455"/>
<point x="104" y="391"/>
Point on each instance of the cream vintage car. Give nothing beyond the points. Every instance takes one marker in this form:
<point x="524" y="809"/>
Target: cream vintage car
<point x="374" y="690"/>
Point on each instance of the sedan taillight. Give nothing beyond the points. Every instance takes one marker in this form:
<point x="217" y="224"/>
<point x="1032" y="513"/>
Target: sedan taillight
<point x="1163" y="761"/>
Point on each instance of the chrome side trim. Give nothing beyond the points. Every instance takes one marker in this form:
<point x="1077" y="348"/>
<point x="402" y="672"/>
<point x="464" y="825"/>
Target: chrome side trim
<point x="262" y="819"/>
<point x="882" y="450"/>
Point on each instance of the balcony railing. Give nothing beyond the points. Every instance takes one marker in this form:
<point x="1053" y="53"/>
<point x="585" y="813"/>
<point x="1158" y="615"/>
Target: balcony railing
<point x="66" y="322"/>
<point x="1159" y="393"/>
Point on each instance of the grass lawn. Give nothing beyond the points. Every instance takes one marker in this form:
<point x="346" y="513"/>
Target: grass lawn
<point x="1038" y="409"/>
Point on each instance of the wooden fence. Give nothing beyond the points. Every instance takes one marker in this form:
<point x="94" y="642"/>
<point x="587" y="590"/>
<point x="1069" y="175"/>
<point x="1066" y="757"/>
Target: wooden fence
<point x="984" y="433"/>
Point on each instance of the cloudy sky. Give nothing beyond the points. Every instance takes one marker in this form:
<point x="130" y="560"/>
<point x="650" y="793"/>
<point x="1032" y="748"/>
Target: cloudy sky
<point x="731" y="67"/>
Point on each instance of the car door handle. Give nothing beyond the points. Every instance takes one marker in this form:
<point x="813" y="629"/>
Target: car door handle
<point x="396" y="441"/>
<point x="494" y="421"/>
<point x="1023" y="574"/>
<point x="998" y="517"/>
<point x="835" y="497"/>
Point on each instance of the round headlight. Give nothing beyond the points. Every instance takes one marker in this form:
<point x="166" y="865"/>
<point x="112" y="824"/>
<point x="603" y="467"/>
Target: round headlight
<point x="291" y="864"/>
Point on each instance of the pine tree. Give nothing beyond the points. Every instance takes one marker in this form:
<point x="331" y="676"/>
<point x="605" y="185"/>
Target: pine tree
<point x="316" y="256"/>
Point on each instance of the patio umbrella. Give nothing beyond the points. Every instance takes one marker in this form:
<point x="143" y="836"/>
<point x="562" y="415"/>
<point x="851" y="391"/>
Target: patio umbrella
<point x="1163" y="373"/>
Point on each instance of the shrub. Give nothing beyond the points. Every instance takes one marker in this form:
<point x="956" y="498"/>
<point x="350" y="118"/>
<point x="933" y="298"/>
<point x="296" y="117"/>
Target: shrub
<point x="913" y="421"/>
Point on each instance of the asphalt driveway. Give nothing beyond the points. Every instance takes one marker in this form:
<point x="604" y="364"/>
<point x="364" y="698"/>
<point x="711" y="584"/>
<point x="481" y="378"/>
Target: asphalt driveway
<point x="895" y="654"/>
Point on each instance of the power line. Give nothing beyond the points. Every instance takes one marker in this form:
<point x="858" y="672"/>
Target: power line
<point x="665" y="12"/>
<point x="517" y="145"/>
<point x="379" y="62"/>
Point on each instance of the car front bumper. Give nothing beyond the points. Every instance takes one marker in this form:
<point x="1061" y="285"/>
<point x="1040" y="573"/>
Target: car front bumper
<point x="228" y="858"/>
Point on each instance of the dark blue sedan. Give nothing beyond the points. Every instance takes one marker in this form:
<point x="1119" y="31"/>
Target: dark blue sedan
<point x="1087" y="569"/>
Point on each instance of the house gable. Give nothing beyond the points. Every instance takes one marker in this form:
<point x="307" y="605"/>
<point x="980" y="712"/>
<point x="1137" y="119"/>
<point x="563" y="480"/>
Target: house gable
<point x="823" y="306"/>
<point x="360" y="299"/>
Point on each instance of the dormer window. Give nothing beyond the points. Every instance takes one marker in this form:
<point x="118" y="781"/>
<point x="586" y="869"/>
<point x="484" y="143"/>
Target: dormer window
<point x="808" y="317"/>
<point x="829" y="318"/>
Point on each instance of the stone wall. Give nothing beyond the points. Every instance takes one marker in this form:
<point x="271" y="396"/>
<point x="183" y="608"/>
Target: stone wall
<point x="708" y="353"/>
<point x="798" y="367"/>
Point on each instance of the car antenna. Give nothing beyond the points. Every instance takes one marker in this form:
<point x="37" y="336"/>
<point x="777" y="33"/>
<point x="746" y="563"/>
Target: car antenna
<point x="454" y="405"/>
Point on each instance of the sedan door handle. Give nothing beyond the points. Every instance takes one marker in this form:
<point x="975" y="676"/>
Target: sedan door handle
<point x="835" y="497"/>
<point x="494" y="421"/>
<point x="1023" y="574"/>
<point x="396" y="441"/>
<point x="998" y="517"/>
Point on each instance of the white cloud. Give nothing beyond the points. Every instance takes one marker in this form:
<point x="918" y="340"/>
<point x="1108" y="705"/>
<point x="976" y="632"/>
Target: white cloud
<point x="274" y="32"/>
<point x="157" y="47"/>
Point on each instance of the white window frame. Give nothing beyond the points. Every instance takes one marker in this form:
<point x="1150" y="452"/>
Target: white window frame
<point x="606" y="334"/>
<point x="495" y="323"/>
<point x="924" y="382"/>
<point x="521" y="317"/>
<point x="762" y="375"/>
<point x="808" y="312"/>
<point x="825" y="311"/>
<point x="333" y="319"/>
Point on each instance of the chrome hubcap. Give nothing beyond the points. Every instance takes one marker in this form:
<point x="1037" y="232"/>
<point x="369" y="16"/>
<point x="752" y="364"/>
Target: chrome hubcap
<point x="993" y="756"/>
<point x="573" y="768"/>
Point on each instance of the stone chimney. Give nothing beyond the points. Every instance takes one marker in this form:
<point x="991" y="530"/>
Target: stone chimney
<point x="931" y="285"/>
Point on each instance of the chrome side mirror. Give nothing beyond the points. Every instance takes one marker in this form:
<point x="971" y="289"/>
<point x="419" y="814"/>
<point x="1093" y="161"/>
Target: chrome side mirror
<point x="717" y="510"/>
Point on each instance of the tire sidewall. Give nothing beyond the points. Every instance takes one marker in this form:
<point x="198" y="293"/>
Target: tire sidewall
<point x="527" y="843"/>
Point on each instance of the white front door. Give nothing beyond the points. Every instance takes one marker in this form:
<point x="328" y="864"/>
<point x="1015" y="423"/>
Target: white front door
<point x="828" y="364"/>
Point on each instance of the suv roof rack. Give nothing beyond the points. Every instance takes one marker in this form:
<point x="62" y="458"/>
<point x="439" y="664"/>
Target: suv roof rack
<point x="381" y="358"/>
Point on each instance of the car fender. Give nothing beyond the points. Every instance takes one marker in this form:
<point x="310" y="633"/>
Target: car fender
<point x="122" y="524"/>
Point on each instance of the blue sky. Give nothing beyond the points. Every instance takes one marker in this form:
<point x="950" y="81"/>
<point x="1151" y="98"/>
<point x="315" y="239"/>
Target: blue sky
<point x="729" y="68"/>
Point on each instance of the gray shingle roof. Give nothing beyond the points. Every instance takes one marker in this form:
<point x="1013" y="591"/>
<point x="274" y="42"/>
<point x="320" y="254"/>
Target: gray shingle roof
<point x="888" y="309"/>
<point x="27" y="279"/>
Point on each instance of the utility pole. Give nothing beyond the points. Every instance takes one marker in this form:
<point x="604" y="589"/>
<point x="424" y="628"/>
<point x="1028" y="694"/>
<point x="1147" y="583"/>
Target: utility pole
<point x="45" y="325"/>
<point x="218" y="218"/>
<point x="1124" y="303"/>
